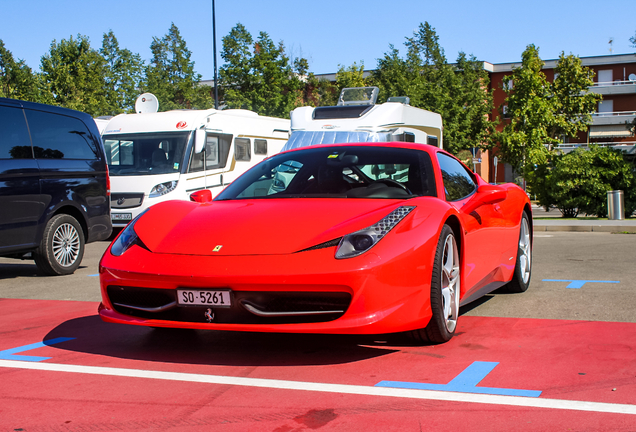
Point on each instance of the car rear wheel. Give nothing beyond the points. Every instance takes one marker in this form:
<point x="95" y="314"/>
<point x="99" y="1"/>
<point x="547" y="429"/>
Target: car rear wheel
<point x="445" y="290"/>
<point x="62" y="246"/>
<point x="523" y="267"/>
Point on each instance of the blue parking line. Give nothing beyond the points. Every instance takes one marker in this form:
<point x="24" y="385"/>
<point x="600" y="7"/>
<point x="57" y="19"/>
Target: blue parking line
<point x="465" y="382"/>
<point x="576" y="284"/>
<point x="10" y="353"/>
<point x="93" y="275"/>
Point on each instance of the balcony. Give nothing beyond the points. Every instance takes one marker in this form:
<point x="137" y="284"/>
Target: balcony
<point x="614" y="88"/>
<point x="628" y="147"/>
<point x="612" y="118"/>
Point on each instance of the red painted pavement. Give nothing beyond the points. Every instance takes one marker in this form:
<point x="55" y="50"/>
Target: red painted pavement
<point x="568" y="360"/>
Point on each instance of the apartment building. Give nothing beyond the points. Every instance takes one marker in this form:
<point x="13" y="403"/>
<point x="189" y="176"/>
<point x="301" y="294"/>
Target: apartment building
<point x="615" y="80"/>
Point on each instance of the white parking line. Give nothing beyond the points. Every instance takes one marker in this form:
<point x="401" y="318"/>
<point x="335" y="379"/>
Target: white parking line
<point x="330" y="388"/>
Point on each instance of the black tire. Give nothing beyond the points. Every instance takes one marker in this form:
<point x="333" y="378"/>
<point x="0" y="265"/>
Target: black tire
<point x="445" y="280"/>
<point x="523" y="265"/>
<point x="62" y="247"/>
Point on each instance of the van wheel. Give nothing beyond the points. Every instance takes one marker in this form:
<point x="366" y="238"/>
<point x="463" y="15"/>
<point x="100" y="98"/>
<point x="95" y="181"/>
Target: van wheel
<point x="62" y="246"/>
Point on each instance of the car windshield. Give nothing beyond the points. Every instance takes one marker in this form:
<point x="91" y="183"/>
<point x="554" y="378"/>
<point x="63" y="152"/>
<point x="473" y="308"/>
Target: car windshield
<point x="145" y="153"/>
<point x="338" y="172"/>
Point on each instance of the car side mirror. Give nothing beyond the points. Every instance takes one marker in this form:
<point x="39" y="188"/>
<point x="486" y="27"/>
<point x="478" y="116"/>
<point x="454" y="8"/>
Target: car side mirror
<point x="201" y="196"/>
<point x="199" y="140"/>
<point x="486" y="194"/>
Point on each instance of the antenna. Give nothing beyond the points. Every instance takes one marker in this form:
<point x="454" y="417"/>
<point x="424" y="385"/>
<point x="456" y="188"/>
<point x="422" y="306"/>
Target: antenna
<point x="611" y="44"/>
<point x="146" y="103"/>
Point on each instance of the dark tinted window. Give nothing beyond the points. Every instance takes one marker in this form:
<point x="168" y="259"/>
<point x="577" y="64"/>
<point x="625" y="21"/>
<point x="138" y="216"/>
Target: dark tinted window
<point x="458" y="183"/>
<point x="14" y="135"/>
<point x="58" y="136"/>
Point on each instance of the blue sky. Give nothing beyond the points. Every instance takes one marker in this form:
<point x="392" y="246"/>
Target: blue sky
<point x="328" y="33"/>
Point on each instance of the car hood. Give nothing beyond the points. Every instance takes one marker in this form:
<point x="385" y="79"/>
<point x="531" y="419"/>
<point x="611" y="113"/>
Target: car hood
<point x="255" y="227"/>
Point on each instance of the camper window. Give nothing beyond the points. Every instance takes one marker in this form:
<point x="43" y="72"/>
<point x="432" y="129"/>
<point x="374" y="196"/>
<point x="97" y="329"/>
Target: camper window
<point x="217" y="148"/>
<point x="260" y="146"/>
<point x="242" y="149"/>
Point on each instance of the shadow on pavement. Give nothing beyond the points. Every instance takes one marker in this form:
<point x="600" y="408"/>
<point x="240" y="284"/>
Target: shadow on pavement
<point x="93" y="336"/>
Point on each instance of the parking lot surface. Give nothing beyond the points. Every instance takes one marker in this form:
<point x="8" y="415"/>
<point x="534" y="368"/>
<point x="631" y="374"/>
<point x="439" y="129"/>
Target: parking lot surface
<point x="558" y="357"/>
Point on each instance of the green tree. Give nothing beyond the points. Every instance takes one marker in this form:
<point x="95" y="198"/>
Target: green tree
<point x="17" y="81"/>
<point x="259" y="76"/>
<point x="542" y="113"/>
<point x="170" y="76"/>
<point x="73" y="76"/>
<point x="459" y="92"/>
<point x="124" y="73"/>
<point x="633" y="40"/>
<point x="352" y="76"/>
<point x="579" y="181"/>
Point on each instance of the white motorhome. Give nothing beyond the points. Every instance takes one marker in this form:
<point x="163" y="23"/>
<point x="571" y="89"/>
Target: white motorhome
<point x="357" y="118"/>
<point x="159" y="156"/>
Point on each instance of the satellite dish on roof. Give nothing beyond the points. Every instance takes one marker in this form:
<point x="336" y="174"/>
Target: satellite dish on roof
<point x="632" y="77"/>
<point x="146" y="103"/>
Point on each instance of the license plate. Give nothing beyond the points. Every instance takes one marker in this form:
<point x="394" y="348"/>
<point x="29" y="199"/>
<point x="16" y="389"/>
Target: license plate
<point x="216" y="298"/>
<point x="125" y="217"/>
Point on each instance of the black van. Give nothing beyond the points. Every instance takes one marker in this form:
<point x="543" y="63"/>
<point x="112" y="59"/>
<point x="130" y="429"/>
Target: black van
<point x="54" y="185"/>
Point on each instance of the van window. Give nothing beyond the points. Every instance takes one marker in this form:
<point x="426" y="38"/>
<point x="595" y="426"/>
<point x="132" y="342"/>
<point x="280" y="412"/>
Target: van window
<point x="217" y="149"/>
<point x="58" y="136"/>
<point x="260" y="146"/>
<point x="14" y="136"/>
<point x="242" y="149"/>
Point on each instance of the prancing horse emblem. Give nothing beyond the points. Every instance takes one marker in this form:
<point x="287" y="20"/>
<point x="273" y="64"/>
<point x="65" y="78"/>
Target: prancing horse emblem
<point x="217" y="248"/>
<point x="209" y="315"/>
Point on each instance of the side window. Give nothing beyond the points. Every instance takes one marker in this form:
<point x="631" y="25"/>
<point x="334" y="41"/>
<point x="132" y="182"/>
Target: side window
<point x="242" y="149"/>
<point x="57" y="136"/>
<point x="458" y="182"/>
<point x="217" y="149"/>
<point x="14" y="135"/>
<point x="260" y="147"/>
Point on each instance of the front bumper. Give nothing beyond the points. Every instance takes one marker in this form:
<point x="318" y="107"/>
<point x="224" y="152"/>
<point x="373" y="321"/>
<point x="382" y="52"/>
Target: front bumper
<point x="369" y="294"/>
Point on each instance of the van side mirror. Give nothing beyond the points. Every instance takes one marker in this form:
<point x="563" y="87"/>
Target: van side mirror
<point x="199" y="140"/>
<point x="486" y="194"/>
<point x="201" y="196"/>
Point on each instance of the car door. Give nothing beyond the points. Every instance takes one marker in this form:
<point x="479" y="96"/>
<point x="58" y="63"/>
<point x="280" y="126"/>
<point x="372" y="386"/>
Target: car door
<point x="21" y="203"/>
<point x="481" y="248"/>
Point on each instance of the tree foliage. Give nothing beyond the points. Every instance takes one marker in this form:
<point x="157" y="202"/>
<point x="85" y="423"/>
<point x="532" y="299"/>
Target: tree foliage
<point x="17" y="81"/>
<point x="540" y="112"/>
<point x="73" y="76"/>
<point x="578" y="182"/>
<point x="124" y="74"/>
<point x="459" y="92"/>
<point x="259" y="76"/>
<point x="170" y="76"/>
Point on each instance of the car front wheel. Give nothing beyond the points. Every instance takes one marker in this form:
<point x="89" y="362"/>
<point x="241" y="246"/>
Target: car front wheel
<point x="62" y="246"/>
<point x="445" y="290"/>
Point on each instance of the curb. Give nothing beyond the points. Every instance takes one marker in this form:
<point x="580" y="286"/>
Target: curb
<point x="586" y="228"/>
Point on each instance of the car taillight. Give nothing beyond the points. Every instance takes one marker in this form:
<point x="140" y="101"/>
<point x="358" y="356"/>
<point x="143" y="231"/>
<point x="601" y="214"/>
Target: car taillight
<point x="107" y="181"/>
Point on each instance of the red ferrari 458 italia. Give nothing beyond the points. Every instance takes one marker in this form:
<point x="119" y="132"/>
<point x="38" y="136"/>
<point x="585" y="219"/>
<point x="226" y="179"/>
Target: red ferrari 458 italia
<point x="352" y="238"/>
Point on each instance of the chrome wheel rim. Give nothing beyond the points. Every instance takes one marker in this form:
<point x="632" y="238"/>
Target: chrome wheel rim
<point x="450" y="283"/>
<point x="525" y="251"/>
<point x="66" y="245"/>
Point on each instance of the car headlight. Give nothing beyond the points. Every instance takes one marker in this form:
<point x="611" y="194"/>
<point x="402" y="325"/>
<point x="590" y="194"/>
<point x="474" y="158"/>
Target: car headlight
<point x="163" y="188"/>
<point x="361" y="241"/>
<point x="127" y="238"/>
